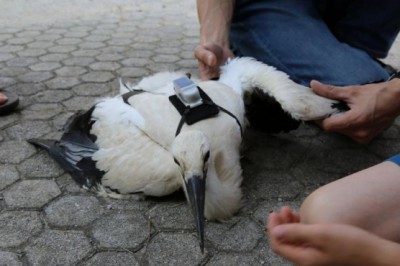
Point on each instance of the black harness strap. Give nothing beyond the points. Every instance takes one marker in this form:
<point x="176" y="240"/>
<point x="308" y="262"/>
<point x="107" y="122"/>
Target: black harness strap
<point x="207" y="109"/>
<point x="127" y="95"/>
<point x="191" y="115"/>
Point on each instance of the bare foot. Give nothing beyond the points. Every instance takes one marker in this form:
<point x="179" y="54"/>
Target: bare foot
<point x="3" y="99"/>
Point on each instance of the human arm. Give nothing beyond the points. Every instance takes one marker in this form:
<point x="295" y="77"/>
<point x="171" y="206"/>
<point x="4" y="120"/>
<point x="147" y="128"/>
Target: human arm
<point x="327" y="244"/>
<point x="213" y="51"/>
<point x="373" y="108"/>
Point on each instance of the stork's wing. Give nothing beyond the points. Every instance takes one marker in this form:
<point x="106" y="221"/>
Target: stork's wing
<point x="134" y="159"/>
<point x="246" y="74"/>
<point x="74" y="150"/>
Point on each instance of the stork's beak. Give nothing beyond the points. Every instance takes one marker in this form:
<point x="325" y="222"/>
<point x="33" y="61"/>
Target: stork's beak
<point x="195" y="188"/>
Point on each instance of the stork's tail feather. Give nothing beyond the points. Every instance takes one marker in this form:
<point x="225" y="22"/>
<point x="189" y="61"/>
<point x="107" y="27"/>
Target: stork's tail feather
<point x="300" y="102"/>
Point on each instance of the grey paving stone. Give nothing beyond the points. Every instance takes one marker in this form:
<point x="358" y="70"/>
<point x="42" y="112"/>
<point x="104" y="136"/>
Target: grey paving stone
<point x="119" y="41"/>
<point x="275" y="184"/>
<point x="6" y="56"/>
<point x="28" y="89"/>
<point x="66" y="184"/>
<point x="73" y="211"/>
<point x="9" y="259"/>
<point x="48" y="37"/>
<point x="174" y="249"/>
<point x="76" y="34"/>
<point x="96" y="38"/>
<point x="28" y="129"/>
<point x="106" y="66"/>
<point x="32" y="52"/>
<point x="102" y="31"/>
<point x="8" y="175"/>
<point x="40" y="44"/>
<point x="78" y="61"/>
<point x="40" y="165"/>
<point x="91" y="45"/>
<point x="172" y="215"/>
<point x="28" y="33"/>
<point x="228" y="259"/>
<point x="11" y="30"/>
<point x="31" y="193"/>
<point x="7" y="82"/>
<point x="97" y="76"/>
<point x="187" y="63"/>
<point x="339" y="160"/>
<point x="384" y="148"/>
<point x="79" y="103"/>
<point x="45" y="66"/>
<point x="62" y="48"/>
<point x="15" y="151"/>
<point x="58" y="248"/>
<point x="121" y="230"/>
<point x="92" y="89"/>
<point x="68" y="41"/>
<point x="109" y="57"/>
<point x="165" y="58"/>
<point x="141" y="52"/>
<point x="135" y="62"/>
<point x="41" y="111"/>
<point x="35" y="76"/>
<point x="238" y="234"/>
<point x="53" y="96"/>
<point x="12" y="72"/>
<point x="70" y="71"/>
<point x="136" y="205"/>
<point x="53" y="57"/>
<point x="112" y="258"/>
<point x="5" y="36"/>
<point x="133" y="72"/>
<point x="60" y="120"/>
<point x="21" y="61"/>
<point x="62" y="82"/>
<point x="11" y="48"/>
<point x="266" y="256"/>
<point x="113" y="49"/>
<point x="58" y="31"/>
<point x="8" y="120"/>
<point x="86" y="52"/>
<point x="17" y="227"/>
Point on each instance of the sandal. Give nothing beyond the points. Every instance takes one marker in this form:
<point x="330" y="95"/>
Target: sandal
<point x="10" y="104"/>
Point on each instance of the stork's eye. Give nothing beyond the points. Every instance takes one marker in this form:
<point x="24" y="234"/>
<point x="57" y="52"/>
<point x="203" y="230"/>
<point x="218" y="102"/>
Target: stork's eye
<point x="176" y="161"/>
<point x="206" y="156"/>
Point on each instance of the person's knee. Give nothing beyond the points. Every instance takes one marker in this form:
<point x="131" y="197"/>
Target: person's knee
<point x="320" y="207"/>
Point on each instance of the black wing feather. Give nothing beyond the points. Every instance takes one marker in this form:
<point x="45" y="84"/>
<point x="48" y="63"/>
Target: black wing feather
<point x="266" y="114"/>
<point x="74" y="151"/>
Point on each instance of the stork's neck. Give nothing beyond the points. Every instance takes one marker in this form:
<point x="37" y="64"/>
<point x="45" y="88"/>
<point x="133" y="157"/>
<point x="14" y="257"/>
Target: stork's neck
<point x="223" y="195"/>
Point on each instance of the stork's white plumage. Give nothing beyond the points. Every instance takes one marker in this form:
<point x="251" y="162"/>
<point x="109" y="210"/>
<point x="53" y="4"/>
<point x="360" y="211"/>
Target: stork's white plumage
<point x="125" y="146"/>
<point x="138" y="146"/>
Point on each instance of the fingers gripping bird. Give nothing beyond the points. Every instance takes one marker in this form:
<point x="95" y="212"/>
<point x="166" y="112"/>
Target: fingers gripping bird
<point x="139" y="143"/>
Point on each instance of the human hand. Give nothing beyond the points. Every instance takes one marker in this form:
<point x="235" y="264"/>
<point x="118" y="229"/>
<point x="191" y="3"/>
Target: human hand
<point x="373" y="108"/>
<point x="210" y="57"/>
<point x="327" y="244"/>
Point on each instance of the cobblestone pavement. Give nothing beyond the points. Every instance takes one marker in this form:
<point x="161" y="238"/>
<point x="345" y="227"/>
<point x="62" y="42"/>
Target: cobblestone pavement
<point x="62" y="64"/>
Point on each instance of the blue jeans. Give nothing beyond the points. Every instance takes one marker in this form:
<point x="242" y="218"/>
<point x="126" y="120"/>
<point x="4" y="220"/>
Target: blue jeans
<point x="333" y="41"/>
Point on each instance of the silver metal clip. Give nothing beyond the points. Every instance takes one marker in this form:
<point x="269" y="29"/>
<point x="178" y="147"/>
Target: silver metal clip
<point x="187" y="92"/>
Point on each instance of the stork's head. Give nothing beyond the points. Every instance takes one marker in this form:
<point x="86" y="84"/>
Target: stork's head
<point x="191" y="150"/>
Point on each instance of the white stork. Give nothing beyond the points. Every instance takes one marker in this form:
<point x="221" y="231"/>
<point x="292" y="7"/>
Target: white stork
<point x="139" y="144"/>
